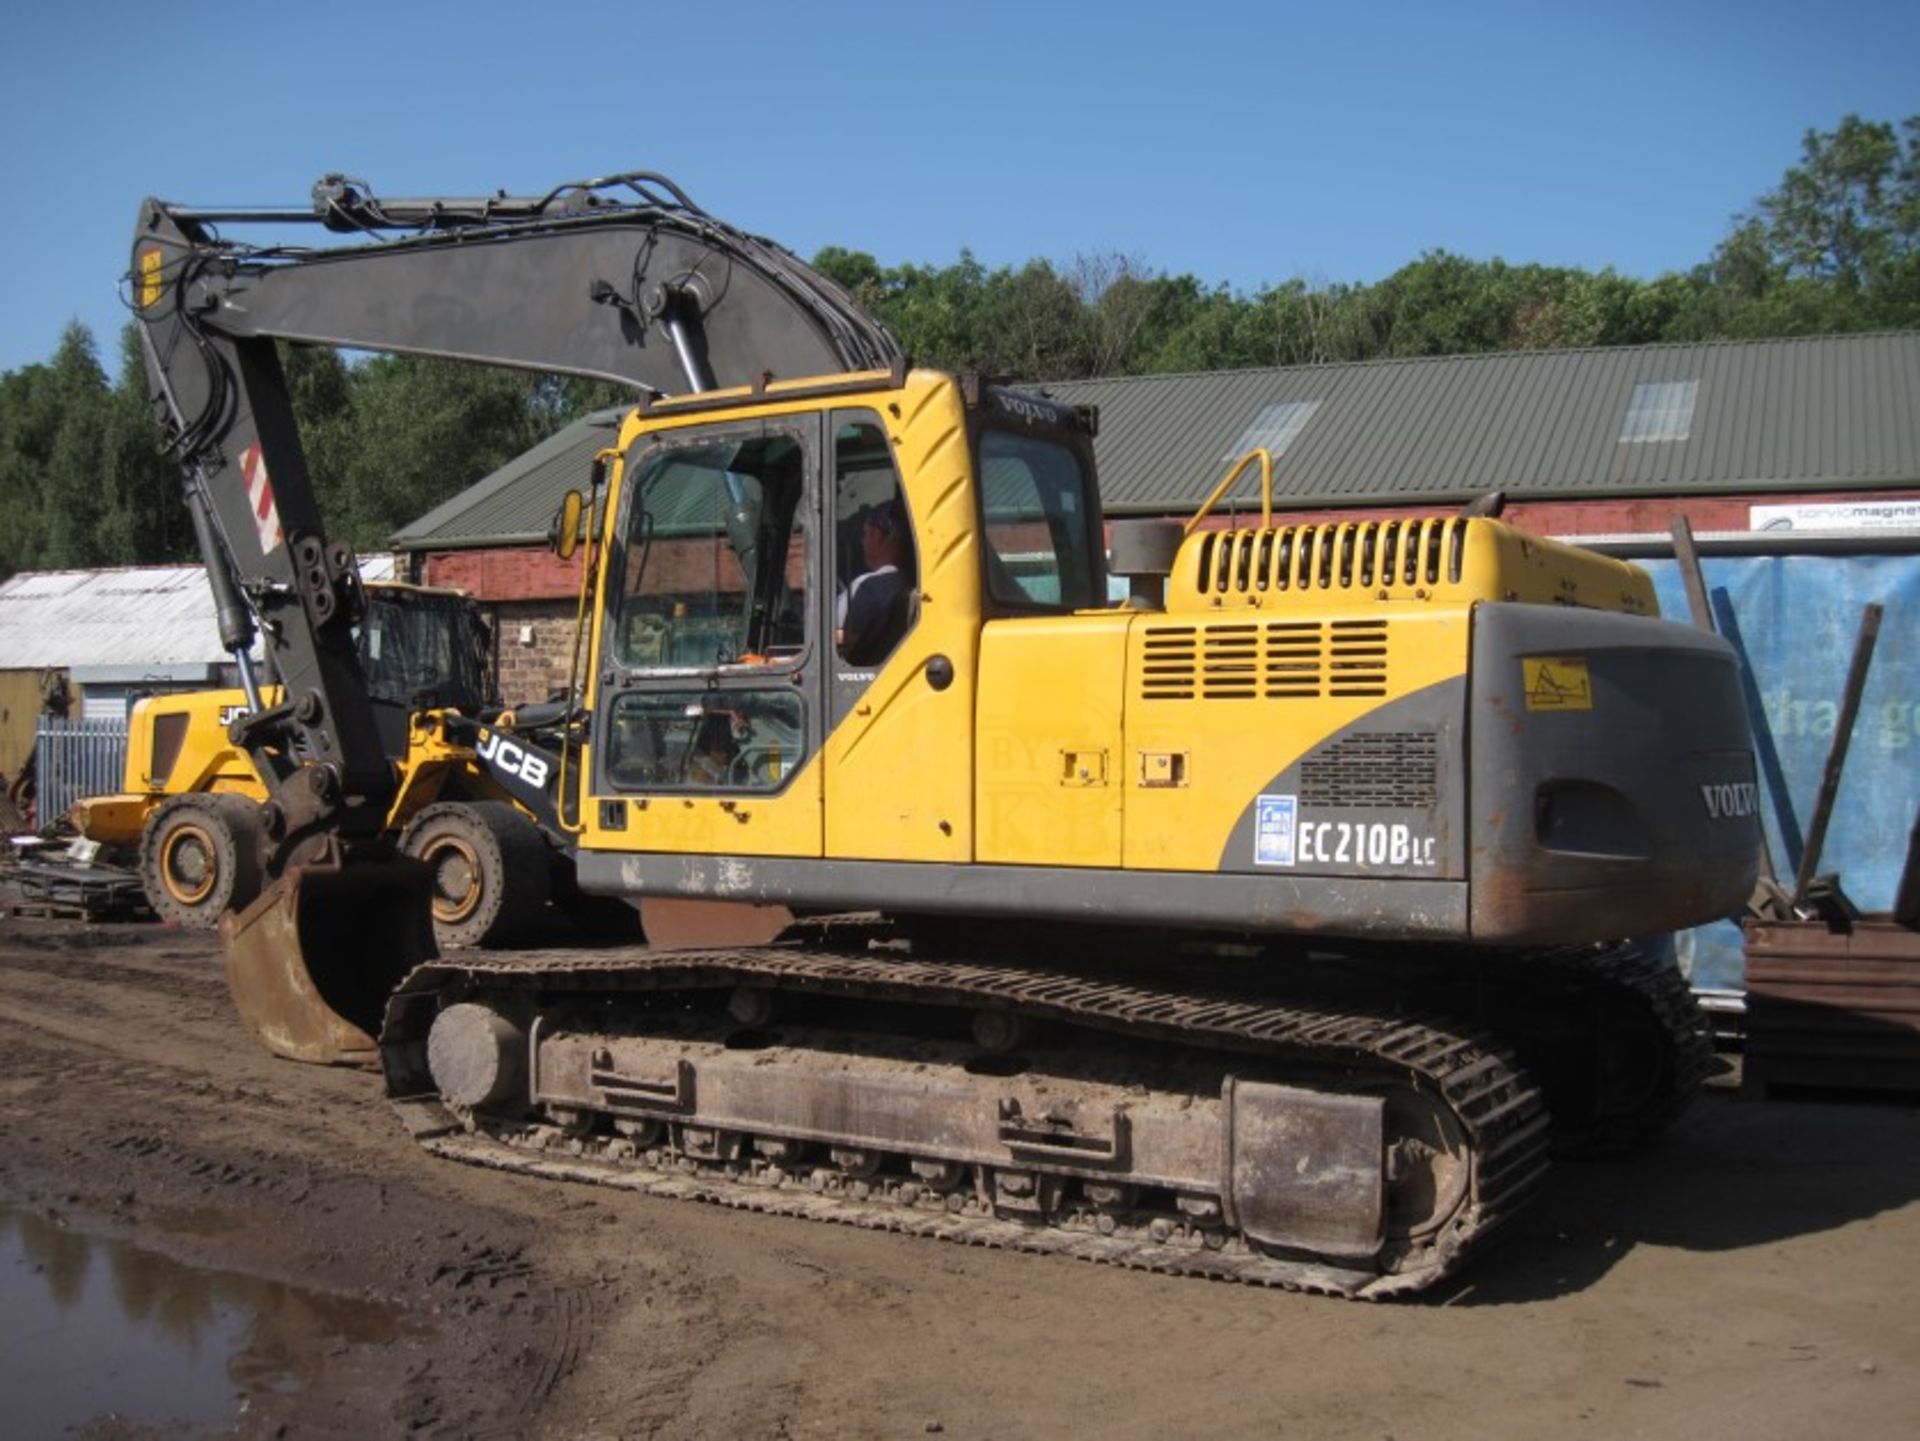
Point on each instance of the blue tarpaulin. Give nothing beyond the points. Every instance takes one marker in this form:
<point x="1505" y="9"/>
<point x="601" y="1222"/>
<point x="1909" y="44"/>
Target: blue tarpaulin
<point x="1794" y="620"/>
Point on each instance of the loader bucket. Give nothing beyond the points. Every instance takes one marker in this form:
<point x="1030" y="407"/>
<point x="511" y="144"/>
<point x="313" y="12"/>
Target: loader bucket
<point x="312" y="961"/>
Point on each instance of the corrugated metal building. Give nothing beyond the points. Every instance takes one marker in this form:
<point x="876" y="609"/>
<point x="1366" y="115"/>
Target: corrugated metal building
<point x="110" y="635"/>
<point x="1821" y="414"/>
<point x="516" y="504"/>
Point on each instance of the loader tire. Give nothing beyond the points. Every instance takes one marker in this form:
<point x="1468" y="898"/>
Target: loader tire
<point x="489" y="868"/>
<point x="199" y="857"/>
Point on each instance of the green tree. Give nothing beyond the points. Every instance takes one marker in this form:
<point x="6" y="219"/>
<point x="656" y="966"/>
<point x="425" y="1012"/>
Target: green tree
<point x="1850" y="211"/>
<point x="149" y="523"/>
<point x="1834" y="247"/>
<point x="417" y="432"/>
<point x="50" y="459"/>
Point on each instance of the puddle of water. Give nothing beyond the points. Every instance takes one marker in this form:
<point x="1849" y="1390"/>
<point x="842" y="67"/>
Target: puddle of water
<point x="90" y="1326"/>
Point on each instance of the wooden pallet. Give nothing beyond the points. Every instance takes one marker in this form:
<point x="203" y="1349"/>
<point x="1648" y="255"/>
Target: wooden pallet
<point x="1833" y="1009"/>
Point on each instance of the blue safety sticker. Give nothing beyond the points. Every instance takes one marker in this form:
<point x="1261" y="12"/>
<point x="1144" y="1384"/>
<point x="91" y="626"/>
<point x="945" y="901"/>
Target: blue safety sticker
<point x="1273" y="830"/>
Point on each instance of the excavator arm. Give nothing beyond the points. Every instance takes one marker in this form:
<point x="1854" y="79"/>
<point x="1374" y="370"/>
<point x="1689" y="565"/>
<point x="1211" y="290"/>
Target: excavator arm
<point x="620" y="279"/>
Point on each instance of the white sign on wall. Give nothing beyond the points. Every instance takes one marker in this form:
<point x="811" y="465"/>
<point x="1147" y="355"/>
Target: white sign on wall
<point x="1837" y="515"/>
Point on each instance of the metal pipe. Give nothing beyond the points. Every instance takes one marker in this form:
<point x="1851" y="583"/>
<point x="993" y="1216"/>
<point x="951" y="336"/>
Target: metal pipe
<point x="1837" y="753"/>
<point x="1685" y="552"/>
<point x="1906" y="898"/>
<point x="250" y="683"/>
<point x="261" y="216"/>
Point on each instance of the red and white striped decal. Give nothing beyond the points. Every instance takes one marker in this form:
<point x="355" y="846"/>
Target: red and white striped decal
<point x="266" y="515"/>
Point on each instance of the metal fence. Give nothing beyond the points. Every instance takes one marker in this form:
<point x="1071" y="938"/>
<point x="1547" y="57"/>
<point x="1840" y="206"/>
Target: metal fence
<point x="76" y="758"/>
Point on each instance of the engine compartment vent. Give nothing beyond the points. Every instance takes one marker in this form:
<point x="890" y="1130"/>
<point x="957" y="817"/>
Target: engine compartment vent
<point x="1264" y="660"/>
<point x="1358" y="555"/>
<point x="1399" y="769"/>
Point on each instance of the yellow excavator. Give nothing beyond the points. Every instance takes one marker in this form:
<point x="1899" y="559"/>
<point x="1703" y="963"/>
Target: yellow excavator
<point x="190" y="797"/>
<point x="1272" y="923"/>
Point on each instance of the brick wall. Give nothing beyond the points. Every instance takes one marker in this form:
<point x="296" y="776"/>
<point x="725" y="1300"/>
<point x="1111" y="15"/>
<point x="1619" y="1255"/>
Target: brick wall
<point x="529" y="590"/>
<point x="517" y="572"/>
<point x="536" y="665"/>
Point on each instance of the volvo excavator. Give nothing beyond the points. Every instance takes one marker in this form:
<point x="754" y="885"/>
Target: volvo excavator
<point x="1274" y="923"/>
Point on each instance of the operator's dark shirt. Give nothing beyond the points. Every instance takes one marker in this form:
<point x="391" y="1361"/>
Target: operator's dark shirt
<point x="876" y="616"/>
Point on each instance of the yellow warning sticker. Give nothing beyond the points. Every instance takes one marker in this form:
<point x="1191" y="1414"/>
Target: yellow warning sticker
<point x="1556" y="683"/>
<point x="150" y="262"/>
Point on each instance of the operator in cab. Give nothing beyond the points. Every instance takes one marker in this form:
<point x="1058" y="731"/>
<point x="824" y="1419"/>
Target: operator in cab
<point x="875" y="610"/>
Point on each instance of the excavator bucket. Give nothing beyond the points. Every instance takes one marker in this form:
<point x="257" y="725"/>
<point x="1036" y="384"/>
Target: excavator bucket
<point x="312" y="961"/>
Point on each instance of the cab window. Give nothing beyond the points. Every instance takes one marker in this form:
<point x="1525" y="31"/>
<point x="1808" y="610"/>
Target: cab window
<point x="1035" y="508"/>
<point x="734" y="740"/>
<point x="876" y="569"/>
<point x="713" y="571"/>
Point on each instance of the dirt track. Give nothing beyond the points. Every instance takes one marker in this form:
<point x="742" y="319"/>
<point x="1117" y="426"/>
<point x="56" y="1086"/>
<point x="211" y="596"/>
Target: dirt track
<point x="1748" y="1277"/>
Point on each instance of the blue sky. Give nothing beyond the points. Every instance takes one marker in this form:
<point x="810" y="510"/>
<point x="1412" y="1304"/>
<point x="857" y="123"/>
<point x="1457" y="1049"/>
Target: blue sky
<point x="1244" y="143"/>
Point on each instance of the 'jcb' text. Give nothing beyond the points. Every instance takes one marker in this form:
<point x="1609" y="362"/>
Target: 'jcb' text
<point x="503" y="754"/>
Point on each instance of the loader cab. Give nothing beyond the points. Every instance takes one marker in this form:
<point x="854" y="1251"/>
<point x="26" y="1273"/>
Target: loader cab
<point x="421" y="649"/>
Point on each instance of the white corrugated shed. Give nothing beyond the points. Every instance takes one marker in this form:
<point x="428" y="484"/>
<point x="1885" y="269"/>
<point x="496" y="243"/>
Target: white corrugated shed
<point x="133" y="617"/>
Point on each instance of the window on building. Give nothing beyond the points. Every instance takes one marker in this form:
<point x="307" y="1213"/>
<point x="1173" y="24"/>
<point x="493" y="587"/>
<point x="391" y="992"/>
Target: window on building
<point x="1660" y="410"/>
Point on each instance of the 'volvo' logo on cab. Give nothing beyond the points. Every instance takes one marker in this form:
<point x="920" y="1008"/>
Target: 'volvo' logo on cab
<point x="1731" y="800"/>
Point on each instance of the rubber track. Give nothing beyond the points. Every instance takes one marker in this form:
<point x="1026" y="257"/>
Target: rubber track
<point x="1651" y="978"/>
<point x="1499" y="1109"/>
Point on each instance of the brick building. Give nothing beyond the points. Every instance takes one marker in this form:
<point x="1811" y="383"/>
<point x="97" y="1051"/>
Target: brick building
<point x="1741" y="437"/>
<point x="491" y="542"/>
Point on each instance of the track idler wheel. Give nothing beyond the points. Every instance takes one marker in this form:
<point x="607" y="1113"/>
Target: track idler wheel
<point x="312" y="961"/>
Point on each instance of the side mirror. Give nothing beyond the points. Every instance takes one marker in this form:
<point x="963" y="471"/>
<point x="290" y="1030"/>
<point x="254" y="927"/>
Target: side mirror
<point x="563" y="537"/>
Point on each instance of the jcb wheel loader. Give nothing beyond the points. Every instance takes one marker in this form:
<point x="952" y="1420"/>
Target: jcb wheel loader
<point x="190" y="796"/>
<point x="1266" y="926"/>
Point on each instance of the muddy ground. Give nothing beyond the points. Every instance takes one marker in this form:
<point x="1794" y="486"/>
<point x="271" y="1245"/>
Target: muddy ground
<point x="1750" y="1276"/>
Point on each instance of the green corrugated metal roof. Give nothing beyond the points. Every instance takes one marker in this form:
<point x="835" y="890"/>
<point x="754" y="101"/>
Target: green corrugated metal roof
<point x="1822" y="413"/>
<point x="517" y="502"/>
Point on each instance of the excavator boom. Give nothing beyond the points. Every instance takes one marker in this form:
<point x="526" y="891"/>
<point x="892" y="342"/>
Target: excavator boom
<point x="621" y="279"/>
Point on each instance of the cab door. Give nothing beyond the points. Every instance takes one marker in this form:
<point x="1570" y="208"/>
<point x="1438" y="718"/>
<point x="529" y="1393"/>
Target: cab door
<point x="899" y="758"/>
<point x="711" y="681"/>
